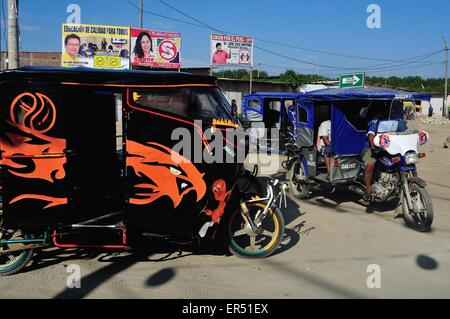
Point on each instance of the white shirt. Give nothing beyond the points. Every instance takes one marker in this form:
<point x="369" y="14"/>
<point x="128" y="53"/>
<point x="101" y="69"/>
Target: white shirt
<point x="324" y="130"/>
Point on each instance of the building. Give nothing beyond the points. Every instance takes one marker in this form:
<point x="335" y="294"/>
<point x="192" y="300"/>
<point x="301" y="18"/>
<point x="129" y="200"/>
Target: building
<point x="34" y="58"/>
<point x="233" y="89"/>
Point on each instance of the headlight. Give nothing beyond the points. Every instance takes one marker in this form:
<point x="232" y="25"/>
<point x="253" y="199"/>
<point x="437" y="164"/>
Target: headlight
<point x="411" y="158"/>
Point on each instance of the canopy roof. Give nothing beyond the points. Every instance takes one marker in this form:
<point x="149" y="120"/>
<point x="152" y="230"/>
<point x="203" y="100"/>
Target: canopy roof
<point x="363" y="94"/>
<point x="103" y="76"/>
<point x="273" y="95"/>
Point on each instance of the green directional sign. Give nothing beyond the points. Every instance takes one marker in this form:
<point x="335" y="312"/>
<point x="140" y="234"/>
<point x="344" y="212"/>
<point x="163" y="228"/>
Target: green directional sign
<point x="355" y="80"/>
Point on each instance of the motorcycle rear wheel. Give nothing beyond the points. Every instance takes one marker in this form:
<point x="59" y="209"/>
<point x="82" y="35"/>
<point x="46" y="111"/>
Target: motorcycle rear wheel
<point x="11" y="264"/>
<point x="296" y="178"/>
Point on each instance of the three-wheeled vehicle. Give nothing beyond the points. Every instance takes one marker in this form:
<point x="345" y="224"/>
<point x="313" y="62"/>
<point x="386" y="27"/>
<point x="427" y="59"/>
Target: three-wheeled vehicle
<point x="89" y="159"/>
<point x="269" y="110"/>
<point x="398" y="139"/>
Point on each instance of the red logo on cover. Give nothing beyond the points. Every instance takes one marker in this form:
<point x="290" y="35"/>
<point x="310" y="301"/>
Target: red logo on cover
<point x="385" y="141"/>
<point x="423" y="138"/>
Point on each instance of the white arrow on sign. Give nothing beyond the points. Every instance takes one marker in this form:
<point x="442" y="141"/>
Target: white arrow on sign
<point x="351" y="80"/>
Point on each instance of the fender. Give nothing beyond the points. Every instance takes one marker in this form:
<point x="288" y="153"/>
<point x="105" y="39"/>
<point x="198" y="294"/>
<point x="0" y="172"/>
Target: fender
<point x="288" y="164"/>
<point x="418" y="181"/>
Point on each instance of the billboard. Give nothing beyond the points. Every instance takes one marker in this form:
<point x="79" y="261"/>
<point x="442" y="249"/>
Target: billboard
<point x="95" y="46"/>
<point x="155" y="48"/>
<point x="231" y="50"/>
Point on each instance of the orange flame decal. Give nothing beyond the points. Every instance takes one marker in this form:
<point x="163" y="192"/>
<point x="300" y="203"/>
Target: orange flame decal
<point x="170" y="174"/>
<point x="22" y="147"/>
<point x="51" y="200"/>
<point x="34" y="114"/>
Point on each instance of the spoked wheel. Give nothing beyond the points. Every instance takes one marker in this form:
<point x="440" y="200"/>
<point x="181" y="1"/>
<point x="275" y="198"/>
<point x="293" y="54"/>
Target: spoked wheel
<point x="14" y="262"/>
<point x="420" y="217"/>
<point x="246" y="242"/>
<point x="296" y="178"/>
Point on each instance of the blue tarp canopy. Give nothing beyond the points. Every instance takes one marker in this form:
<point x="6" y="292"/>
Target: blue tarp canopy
<point x="363" y="94"/>
<point x="285" y="95"/>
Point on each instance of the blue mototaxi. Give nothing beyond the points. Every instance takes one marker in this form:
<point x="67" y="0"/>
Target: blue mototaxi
<point x="348" y="128"/>
<point x="270" y="110"/>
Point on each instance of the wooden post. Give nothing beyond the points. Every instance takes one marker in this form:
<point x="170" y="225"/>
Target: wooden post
<point x="251" y="80"/>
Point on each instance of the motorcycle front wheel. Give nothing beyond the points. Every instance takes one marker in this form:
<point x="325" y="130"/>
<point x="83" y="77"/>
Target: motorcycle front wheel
<point x="420" y="217"/>
<point x="246" y="242"/>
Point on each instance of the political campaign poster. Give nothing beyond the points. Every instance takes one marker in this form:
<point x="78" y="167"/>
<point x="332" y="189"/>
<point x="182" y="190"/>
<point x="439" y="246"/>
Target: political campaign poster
<point x="95" y="46"/>
<point x="150" y="48"/>
<point x="231" y="50"/>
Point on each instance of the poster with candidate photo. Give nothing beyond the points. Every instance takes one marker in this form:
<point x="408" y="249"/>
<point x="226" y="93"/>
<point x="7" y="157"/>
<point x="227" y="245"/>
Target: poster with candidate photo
<point x="150" y="48"/>
<point x="231" y="50"/>
<point x="95" y="46"/>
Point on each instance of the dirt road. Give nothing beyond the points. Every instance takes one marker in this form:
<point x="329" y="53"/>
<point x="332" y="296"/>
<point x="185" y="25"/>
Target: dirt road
<point x="330" y="242"/>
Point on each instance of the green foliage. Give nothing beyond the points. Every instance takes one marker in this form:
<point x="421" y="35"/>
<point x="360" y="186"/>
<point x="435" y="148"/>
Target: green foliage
<point x="411" y="83"/>
<point x="241" y="74"/>
<point x="294" y="80"/>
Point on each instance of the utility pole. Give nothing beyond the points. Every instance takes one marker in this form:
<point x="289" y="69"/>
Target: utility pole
<point x="141" y="13"/>
<point x="444" y="108"/>
<point x="251" y="80"/>
<point x="13" y="34"/>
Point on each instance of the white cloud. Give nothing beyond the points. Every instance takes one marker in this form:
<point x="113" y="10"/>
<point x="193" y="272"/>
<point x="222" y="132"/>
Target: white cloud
<point x="188" y="63"/>
<point x="162" y="26"/>
<point x="29" y="28"/>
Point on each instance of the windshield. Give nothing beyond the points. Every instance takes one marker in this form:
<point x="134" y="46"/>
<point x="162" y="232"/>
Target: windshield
<point x="402" y="117"/>
<point x="204" y="103"/>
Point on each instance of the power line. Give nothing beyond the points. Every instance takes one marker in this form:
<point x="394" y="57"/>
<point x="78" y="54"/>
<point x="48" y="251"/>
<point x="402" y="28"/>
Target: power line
<point x="375" y="67"/>
<point x="331" y="53"/>
<point x="321" y="71"/>
<point x="404" y="68"/>
<point x="163" y="16"/>
<point x="388" y="66"/>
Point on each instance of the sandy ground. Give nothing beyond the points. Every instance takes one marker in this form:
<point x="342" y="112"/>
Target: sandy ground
<point x="328" y="246"/>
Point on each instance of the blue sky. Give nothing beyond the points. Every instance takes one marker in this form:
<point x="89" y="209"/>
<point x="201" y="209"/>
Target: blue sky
<point x="409" y="28"/>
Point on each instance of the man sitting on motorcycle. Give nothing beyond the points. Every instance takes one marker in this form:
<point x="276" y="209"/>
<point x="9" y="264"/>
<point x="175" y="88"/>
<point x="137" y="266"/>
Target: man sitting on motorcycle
<point x="377" y="126"/>
<point x="324" y="144"/>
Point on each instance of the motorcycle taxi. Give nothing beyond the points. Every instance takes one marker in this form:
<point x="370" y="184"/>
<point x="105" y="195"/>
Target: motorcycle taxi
<point x="398" y="138"/>
<point x="89" y="159"/>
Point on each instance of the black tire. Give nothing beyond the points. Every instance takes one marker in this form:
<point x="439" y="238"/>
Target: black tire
<point x="249" y="184"/>
<point x="419" y="221"/>
<point x="264" y="244"/>
<point x="296" y="187"/>
<point x="8" y="266"/>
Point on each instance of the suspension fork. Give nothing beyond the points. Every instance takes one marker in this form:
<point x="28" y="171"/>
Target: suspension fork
<point x="405" y="186"/>
<point x="254" y="224"/>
